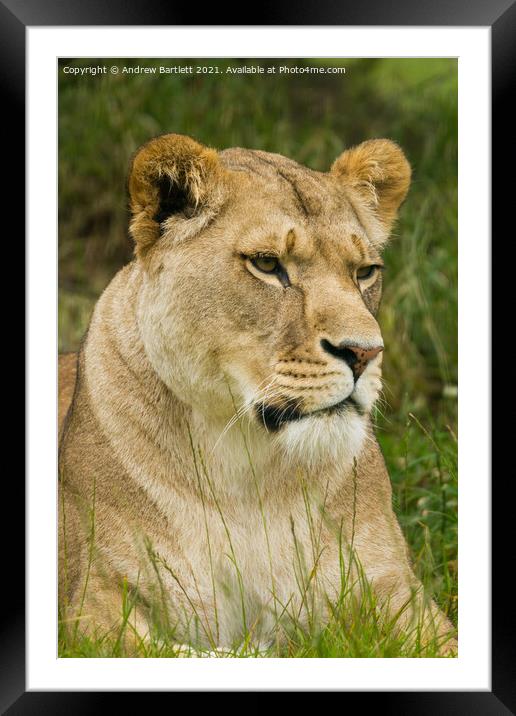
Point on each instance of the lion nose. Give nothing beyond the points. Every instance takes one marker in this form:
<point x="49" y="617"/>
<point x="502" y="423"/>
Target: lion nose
<point x="355" y="357"/>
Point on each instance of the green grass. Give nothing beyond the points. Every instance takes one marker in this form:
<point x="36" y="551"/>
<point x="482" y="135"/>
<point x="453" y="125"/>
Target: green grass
<point x="103" y="119"/>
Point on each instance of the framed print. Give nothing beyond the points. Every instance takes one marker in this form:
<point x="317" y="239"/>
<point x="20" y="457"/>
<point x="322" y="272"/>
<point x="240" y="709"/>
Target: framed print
<point x="223" y="491"/>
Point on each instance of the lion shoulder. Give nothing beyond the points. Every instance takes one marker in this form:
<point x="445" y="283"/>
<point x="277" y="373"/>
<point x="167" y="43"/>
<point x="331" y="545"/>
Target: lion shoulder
<point x="67" y="374"/>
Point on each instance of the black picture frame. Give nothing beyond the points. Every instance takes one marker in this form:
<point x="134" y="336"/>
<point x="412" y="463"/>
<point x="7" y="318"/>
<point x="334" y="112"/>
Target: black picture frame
<point x="500" y="16"/>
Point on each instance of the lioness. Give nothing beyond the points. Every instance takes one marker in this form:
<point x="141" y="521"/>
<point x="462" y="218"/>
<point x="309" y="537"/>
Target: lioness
<point x="218" y="458"/>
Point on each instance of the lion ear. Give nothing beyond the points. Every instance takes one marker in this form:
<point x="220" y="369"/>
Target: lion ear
<point x="172" y="175"/>
<point x="379" y="172"/>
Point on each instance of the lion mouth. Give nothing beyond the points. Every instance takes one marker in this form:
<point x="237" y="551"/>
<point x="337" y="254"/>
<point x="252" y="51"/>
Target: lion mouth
<point x="273" y="417"/>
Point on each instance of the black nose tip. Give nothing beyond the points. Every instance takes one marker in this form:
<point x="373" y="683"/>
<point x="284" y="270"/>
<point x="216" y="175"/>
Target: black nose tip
<point x="355" y="357"/>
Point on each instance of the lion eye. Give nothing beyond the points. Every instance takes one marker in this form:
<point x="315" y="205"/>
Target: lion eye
<point x="270" y="268"/>
<point x="366" y="272"/>
<point x="267" y="264"/>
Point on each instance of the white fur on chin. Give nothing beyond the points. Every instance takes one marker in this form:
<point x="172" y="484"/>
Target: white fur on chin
<point x="318" y="439"/>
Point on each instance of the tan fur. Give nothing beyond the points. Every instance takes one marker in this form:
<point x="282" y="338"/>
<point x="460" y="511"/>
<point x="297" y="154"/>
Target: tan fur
<point x="67" y="366"/>
<point x="379" y="172"/>
<point x="188" y="348"/>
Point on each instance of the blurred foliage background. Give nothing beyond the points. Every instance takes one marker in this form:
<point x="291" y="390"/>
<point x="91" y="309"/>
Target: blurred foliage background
<point x="310" y="118"/>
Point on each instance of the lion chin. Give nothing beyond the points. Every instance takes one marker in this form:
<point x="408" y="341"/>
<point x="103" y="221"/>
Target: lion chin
<point x="335" y="434"/>
<point x="321" y="439"/>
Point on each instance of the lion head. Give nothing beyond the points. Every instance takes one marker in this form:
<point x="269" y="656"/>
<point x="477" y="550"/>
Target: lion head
<point x="262" y="280"/>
